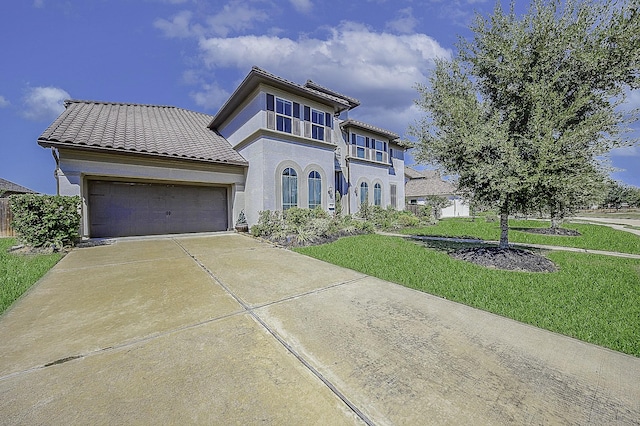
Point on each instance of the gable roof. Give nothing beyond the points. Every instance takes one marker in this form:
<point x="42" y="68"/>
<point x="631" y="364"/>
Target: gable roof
<point x="14" y="188"/>
<point x="159" y="131"/>
<point x="428" y="185"/>
<point x="258" y="75"/>
<point x="424" y="174"/>
<point x="368" y="127"/>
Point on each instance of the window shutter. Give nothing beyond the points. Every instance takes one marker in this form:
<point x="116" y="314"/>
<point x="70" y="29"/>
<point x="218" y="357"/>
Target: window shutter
<point x="270" y="102"/>
<point x="307" y="129"/>
<point x="327" y="134"/>
<point x="271" y="120"/>
<point x="296" y="110"/>
<point x="296" y="126"/>
<point x="307" y="113"/>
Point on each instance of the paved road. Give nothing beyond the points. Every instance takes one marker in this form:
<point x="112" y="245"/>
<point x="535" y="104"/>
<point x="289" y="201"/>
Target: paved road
<point x="615" y="223"/>
<point x="226" y="330"/>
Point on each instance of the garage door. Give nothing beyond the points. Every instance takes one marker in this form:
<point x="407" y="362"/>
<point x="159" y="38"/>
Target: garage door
<point x="118" y="209"/>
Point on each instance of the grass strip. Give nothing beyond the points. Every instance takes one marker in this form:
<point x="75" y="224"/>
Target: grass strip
<point x="18" y="272"/>
<point x="592" y="298"/>
<point x="593" y="237"/>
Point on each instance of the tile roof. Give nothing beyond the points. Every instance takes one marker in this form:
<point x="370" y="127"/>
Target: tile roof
<point x="310" y="84"/>
<point x="364" y="126"/>
<point x="8" y="186"/>
<point x="428" y="186"/>
<point x="161" y="131"/>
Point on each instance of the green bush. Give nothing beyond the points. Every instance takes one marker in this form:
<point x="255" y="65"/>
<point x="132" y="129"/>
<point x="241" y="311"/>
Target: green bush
<point x="46" y="220"/>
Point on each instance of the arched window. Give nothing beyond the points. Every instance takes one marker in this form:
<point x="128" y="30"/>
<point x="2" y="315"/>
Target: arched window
<point x="289" y="188"/>
<point x="364" y="193"/>
<point x="315" y="189"/>
<point x="377" y="195"/>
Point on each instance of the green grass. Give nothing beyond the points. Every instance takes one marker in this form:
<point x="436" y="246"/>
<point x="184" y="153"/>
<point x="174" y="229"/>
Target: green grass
<point x="19" y="272"/>
<point x="593" y="298"/>
<point x="594" y="237"/>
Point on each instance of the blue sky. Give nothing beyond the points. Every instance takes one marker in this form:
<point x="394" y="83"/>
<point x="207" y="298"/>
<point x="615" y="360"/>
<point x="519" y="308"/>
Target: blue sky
<point x="193" y="53"/>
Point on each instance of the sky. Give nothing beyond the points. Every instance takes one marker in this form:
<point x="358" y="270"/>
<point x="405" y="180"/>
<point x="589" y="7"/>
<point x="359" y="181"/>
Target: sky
<point x="192" y="54"/>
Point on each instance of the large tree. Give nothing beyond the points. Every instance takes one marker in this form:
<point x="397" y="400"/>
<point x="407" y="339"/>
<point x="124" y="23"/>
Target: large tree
<point x="529" y="104"/>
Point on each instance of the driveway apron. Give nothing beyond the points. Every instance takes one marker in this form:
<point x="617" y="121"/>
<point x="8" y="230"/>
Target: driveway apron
<point x="224" y="329"/>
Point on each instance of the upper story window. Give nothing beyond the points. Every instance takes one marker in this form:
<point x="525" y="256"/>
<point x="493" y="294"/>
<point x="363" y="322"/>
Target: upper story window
<point x="369" y="148"/>
<point x="284" y="112"/>
<point x="317" y="124"/>
<point x="298" y="119"/>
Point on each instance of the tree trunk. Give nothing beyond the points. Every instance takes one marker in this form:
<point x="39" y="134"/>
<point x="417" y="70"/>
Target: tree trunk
<point x="555" y="221"/>
<point x="504" y="230"/>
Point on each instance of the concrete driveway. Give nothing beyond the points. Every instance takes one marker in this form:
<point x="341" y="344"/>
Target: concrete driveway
<point x="226" y="330"/>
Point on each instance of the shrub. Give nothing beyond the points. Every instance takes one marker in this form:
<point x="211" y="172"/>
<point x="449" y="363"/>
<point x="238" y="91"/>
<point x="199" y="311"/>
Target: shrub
<point x="43" y="220"/>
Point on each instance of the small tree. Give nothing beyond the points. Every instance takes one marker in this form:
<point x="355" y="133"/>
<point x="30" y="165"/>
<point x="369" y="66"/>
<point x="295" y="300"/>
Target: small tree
<point x="524" y="111"/>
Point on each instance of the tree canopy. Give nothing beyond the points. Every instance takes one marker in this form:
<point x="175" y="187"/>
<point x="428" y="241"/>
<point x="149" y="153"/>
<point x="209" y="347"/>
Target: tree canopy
<point x="530" y="104"/>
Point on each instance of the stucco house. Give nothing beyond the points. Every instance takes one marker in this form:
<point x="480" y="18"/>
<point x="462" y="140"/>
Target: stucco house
<point x="274" y="144"/>
<point x="421" y="184"/>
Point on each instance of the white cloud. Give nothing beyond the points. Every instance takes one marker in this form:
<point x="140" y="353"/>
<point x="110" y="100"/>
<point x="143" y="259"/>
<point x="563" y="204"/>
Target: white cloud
<point x="178" y="27"/>
<point x="234" y="17"/>
<point x="404" y="23"/>
<point x="302" y="6"/>
<point x="633" y="99"/>
<point x="3" y="102"/>
<point x="628" y="151"/>
<point x="44" y="103"/>
<point x="379" y="69"/>
<point x="211" y="96"/>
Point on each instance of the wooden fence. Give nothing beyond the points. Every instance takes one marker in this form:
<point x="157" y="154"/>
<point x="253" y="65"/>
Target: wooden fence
<point x="5" y="219"/>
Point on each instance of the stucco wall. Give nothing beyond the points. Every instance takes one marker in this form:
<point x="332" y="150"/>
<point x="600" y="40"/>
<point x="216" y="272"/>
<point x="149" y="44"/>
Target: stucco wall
<point x="269" y="157"/>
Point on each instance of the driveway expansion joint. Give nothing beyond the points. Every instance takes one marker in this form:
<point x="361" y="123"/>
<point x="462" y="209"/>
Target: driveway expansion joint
<point x="250" y="310"/>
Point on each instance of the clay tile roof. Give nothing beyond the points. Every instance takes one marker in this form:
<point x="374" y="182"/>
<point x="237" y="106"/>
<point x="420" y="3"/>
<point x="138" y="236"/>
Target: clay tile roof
<point x="161" y="131"/>
<point x="315" y="86"/>
<point x="7" y="186"/>
<point x="364" y="126"/>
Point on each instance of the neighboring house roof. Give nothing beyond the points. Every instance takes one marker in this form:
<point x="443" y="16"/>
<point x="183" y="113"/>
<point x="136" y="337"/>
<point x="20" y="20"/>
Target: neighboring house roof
<point x="424" y="174"/>
<point x="160" y="131"/>
<point x="412" y="173"/>
<point x="258" y="75"/>
<point x="425" y="183"/>
<point x="364" y="126"/>
<point x="8" y="187"/>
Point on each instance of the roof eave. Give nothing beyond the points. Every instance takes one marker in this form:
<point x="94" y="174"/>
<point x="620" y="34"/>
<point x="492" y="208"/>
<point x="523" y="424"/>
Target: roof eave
<point x="68" y="145"/>
<point x="253" y="80"/>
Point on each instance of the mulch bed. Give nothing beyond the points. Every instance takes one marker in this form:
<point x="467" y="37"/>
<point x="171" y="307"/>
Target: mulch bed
<point x="509" y="259"/>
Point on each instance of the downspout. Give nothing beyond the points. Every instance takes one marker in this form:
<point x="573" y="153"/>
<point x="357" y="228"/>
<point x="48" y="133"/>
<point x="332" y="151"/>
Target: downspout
<point x="55" y="173"/>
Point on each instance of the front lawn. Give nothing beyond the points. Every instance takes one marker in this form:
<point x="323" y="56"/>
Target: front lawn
<point x="592" y="297"/>
<point x="18" y="272"/>
<point x="594" y="237"/>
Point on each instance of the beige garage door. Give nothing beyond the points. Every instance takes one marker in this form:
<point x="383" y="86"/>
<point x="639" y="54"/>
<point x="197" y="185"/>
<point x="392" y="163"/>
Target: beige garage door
<point x="119" y="209"/>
